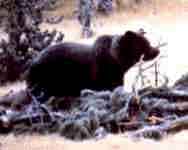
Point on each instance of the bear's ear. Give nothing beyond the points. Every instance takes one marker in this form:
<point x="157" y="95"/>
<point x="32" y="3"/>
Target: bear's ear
<point x="141" y="31"/>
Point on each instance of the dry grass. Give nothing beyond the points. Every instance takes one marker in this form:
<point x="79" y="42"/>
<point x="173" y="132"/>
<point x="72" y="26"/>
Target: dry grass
<point x="167" y="19"/>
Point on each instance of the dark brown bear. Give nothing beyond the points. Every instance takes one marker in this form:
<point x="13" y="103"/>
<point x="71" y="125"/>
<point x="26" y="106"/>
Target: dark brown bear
<point x="67" y="68"/>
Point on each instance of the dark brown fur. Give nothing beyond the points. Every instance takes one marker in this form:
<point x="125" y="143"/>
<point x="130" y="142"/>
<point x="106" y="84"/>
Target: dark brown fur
<point x="65" y="69"/>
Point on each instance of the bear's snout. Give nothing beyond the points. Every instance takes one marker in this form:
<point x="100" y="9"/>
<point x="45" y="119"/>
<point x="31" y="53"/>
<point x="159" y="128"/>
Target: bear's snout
<point x="154" y="52"/>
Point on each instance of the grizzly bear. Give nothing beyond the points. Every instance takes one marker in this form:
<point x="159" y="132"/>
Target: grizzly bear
<point x="67" y="68"/>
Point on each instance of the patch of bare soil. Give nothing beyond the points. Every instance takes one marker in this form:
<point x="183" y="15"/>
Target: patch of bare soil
<point x="164" y="20"/>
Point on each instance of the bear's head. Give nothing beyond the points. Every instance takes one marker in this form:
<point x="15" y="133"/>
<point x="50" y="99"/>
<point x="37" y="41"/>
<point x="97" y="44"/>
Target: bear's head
<point x="133" y="45"/>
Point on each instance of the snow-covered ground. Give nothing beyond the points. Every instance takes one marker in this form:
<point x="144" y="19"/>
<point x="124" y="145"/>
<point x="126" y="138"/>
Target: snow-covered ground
<point x="167" y="24"/>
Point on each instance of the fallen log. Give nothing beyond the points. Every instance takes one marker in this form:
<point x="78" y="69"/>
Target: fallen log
<point x="159" y="131"/>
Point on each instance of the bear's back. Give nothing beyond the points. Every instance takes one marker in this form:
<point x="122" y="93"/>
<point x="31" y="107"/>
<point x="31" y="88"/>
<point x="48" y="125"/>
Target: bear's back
<point x="65" y="50"/>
